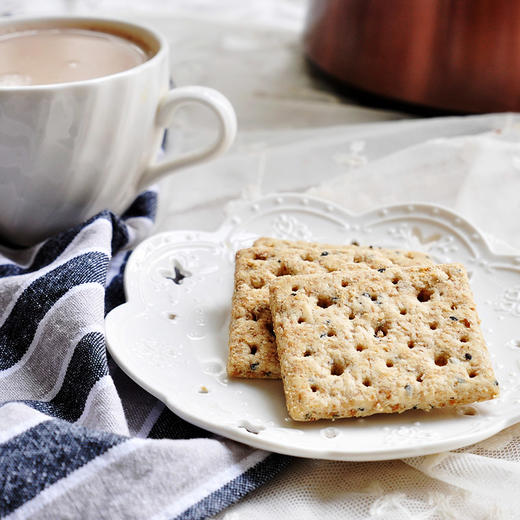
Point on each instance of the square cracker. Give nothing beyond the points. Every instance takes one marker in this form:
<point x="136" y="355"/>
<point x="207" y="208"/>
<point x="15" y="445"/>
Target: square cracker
<point x="362" y="342"/>
<point x="252" y="346"/>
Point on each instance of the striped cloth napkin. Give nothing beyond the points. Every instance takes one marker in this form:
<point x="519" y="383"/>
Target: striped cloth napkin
<point x="78" y="439"/>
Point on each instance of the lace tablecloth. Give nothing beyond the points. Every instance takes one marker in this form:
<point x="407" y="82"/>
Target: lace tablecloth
<point x="467" y="164"/>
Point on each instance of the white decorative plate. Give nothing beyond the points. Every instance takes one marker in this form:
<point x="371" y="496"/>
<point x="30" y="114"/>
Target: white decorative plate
<point x="171" y="336"/>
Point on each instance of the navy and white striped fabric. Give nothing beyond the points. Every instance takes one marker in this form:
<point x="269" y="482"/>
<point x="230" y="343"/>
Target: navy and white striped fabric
<point x="78" y="439"/>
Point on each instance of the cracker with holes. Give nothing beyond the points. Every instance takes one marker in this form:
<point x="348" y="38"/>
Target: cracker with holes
<point x="363" y="342"/>
<point x="252" y="346"/>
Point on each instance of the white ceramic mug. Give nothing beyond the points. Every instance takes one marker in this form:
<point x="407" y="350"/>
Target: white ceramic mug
<point x="70" y="150"/>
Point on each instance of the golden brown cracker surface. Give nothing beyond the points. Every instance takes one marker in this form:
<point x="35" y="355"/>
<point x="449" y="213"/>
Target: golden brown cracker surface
<point x="363" y="341"/>
<point x="252" y="347"/>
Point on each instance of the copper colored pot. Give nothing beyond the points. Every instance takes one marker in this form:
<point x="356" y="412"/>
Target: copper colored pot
<point x="457" y="55"/>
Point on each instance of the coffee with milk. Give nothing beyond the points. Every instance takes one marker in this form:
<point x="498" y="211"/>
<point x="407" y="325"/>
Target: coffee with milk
<point x="62" y="55"/>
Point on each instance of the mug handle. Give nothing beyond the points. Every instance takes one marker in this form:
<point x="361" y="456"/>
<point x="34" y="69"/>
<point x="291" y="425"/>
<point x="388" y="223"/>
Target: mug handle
<point x="177" y="97"/>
